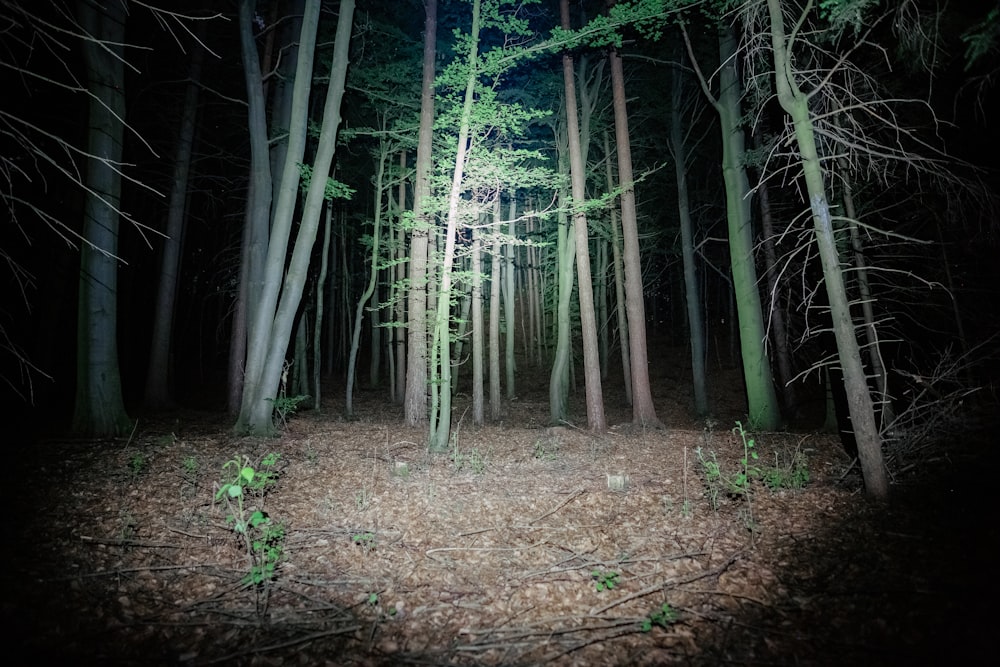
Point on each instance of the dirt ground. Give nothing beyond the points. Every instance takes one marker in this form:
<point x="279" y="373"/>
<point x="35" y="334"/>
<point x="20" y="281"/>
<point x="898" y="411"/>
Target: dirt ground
<point x="518" y="548"/>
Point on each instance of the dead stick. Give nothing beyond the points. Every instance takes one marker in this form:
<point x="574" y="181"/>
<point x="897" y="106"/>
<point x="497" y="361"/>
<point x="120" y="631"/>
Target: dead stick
<point x="558" y="507"/>
<point x="660" y="586"/>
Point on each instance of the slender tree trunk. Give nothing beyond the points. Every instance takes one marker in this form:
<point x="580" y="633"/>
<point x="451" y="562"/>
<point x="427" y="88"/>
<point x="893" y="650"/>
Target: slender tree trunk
<point x="762" y="401"/>
<point x="399" y="276"/>
<point x="320" y="301"/>
<point x="372" y="279"/>
<point x="415" y="401"/>
<point x="692" y="295"/>
<point x="99" y="409"/>
<point x="596" y="420"/>
<point x="258" y="210"/>
<point x="508" y="303"/>
<point x="872" y="344"/>
<point x="616" y="253"/>
<point x="796" y="105"/>
<point x="478" y="412"/>
<point x="158" y="378"/>
<point x="643" y="411"/>
<point x="495" y="318"/>
<point x="440" y="431"/>
<point x="779" y="333"/>
<point x="270" y="330"/>
<point x="565" y="256"/>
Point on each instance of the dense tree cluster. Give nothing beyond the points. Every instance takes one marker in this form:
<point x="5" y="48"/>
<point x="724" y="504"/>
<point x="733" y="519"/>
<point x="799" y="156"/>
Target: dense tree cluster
<point x="236" y="210"/>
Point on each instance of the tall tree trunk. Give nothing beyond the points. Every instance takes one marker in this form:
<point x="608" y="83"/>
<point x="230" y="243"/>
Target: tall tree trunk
<point x="372" y="279"/>
<point x="565" y="256"/>
<point x="253" y="245"/>
<point x="440" y="430"/>
<point x="320" y="302"/>
<point x="495" y="316"/>
<point x="270" y="330"/>
<point x="99" y="409"/>
<point x="508" y="301"/>
<point x="596" y="420"/>
<point x="779" y="333"/>
<point x="762" y="401"/>
<point x="399" y="276"/>
<point x="616" y="254"/>
<point x="478" y="412"/>
<point x="796" y="105"/>
<point x="692" y="294"/>
<point x="643" y="411"/>
<point x="158" y="378"/>
<point x="872" y="345"/>
<point x="415" y="401"/>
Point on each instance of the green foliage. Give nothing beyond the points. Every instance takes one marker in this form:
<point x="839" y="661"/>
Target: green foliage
<point x="663" y="617"/>
<point x="605" y="580"/>
<point x="260" y="537"/>
<point x="792" y="474"/>
<point x="138" y="464"/>
<point x="982" y="39"/>
<point x="364" y="540"/>
<point x="190" y="464"/>
<point x="285" y="407"/>
<point x="334" y="188"/>
<point x="844" y="15"/>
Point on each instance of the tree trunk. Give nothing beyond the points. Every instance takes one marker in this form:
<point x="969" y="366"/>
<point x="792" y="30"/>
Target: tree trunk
<point x="159" y="391"/>
<point x="440" y="431"/>
<point x="372" y="279"/>
<point x="415" y="401"/>
<point x="320" y="302"/>
<point x="796" y="105"/>
<point x="99" y="409"/>
<point x="596" y="420"/>
<point x="270" y="330"/>
<point x="478" y="412"/>
<point x="616" y="254"/>
<point x="258" y="210"/>
<point x="495" y="318"/>
<point x="643" y="411"/>
<point x="692" y="295"/>
<point x="565" y="256"/>
<point x="508" y="301"/>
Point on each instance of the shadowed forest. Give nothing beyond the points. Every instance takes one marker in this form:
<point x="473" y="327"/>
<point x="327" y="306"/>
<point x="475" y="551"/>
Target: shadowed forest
<point x="502" y="332"/>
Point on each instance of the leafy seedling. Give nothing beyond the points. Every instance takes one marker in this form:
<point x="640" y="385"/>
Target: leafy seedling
<point x="605" y="579"/>
<point x="663" y="617"/>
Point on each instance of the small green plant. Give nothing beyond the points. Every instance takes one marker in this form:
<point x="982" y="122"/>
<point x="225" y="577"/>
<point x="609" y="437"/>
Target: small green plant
<point x="138" y="464"/>
<point x="285" y="407"/>
<point x="260" y="537"/>
<point x="190" y="464"/>
<point x="605" y="580"/>
<point x="363" y="498"/>
<point x="544" y="451"/>
<point x="793" y="474"/>
<point x="664" y="616"/>
<point x="364" y="540"/>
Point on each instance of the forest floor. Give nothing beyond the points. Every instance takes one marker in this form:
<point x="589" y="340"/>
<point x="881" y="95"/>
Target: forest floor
<point x="526" y="545"/>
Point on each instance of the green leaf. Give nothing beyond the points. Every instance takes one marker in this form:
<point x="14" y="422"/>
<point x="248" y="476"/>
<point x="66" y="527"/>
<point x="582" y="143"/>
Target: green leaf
<point x="247" y="473"/>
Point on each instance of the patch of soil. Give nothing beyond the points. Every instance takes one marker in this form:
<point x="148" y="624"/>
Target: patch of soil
<point x="525" y="545"/>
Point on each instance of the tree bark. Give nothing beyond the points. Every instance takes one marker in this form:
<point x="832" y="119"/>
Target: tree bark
<point x="796" y="105"/>
<point x="269" y="332"/>
<point x="643" y="410"/>
<point x="692" y="293"/>
<point x="159" y="391"/>
<point x="596" y="420"/>
<point x="99" y="409"/>
<point x="415" y="400"/>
